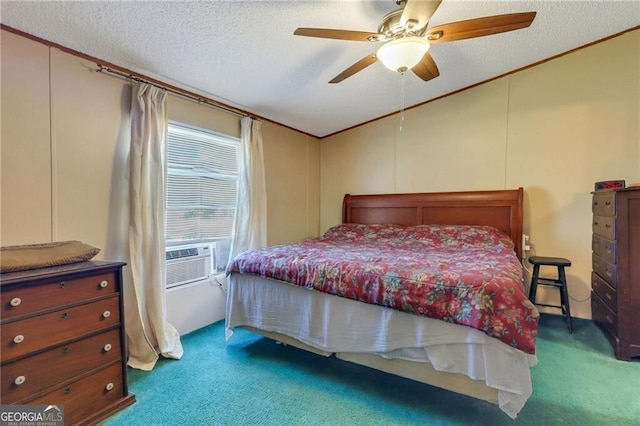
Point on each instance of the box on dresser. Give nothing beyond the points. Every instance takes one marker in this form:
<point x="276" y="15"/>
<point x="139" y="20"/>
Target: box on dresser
<point x="615" y="276"/>
<point x="62" y="340"/>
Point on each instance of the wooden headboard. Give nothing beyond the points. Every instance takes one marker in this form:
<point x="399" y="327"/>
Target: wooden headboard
<point x="501" y="209"/>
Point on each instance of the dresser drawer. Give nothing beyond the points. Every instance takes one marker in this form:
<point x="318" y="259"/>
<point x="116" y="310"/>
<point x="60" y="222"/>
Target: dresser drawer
<point x="28" y="299"/>
<point x="37" y="373"/>
<point x="604" y="226"/>
<point x="28" y="335"/>
<point x="604" y="269"/>
<point x="604" y="248"/>
<point x="605" y="292"/>
<point x="603" y="316"/>
<point x="86" y="397"/>
<point x="604" y="204"/>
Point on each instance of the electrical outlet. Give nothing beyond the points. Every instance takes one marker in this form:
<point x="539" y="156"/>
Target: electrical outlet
<point x="525" y="244"/>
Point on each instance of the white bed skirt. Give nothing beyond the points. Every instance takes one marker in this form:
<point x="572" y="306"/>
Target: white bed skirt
<point x="335" y="325"/>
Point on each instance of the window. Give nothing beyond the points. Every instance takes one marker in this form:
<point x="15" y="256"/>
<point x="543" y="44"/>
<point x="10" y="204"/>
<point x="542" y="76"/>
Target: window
<point x="202" y="189"/>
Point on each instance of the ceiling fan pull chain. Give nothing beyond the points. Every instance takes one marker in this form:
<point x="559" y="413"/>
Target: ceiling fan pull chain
<point x="402" y="101"/>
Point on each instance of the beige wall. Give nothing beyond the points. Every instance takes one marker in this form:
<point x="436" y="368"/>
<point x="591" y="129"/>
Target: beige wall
<point x="25" y="154"/>
<point x="553" y="129"/>
<point x="292" y="173"/>
<point x="64" y="153"/>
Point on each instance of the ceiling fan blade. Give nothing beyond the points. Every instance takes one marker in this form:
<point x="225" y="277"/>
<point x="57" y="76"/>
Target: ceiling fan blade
<point x="416" y="13"/>
<point x="358" y="66"/>
<point x="479" y="27"/>
<point x="426" y="68"/>
<point x="337" y="34"/>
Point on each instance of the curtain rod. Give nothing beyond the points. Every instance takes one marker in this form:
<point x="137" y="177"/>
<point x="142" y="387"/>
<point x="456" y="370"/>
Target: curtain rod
<point x="182" y="93"/>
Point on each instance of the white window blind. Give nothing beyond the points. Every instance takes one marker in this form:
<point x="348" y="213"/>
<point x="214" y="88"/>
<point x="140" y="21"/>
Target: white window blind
<point x="202" y="185"/>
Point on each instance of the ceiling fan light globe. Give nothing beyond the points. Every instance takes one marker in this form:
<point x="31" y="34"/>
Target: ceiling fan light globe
<point x="403" y="53"/>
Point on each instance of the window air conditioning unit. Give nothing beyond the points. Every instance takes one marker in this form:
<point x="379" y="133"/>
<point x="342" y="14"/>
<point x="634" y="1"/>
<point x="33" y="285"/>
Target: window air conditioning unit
<point x="189" y="263"/>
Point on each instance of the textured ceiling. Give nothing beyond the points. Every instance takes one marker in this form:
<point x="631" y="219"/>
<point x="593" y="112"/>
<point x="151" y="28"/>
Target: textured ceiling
<point x="244" y="53"/>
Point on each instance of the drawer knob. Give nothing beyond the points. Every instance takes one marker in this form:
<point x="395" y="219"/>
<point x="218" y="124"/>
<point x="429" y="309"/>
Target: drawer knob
<point x="609" y="296"/>
<point x="62" y="284"/>
<point x="595" y="223"/>
<point x="106" y="314"/>
<point x="607" y="203"/>
<point x="107" y="347"/>
<point x="109" y="386"/>
<point x="18" y="339"/>
<point x="16" y="301"/>
<point x="595" y="203"/>
<point x="67" y="390"/>
<point x="104" y="284"/>
<point x="19" y="380"/>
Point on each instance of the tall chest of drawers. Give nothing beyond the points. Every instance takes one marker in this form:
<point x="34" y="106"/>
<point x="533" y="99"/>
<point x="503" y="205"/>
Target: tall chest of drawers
<point x="615" y="276"/>
<point x="62" y="340"/>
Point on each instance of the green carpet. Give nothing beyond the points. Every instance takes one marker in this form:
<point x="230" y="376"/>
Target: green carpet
<point x="254" y="381"/>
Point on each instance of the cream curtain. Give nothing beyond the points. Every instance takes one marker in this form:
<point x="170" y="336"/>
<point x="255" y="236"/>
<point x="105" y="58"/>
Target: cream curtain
<point x="148" y="332"/>
<point x="250" y="230"/>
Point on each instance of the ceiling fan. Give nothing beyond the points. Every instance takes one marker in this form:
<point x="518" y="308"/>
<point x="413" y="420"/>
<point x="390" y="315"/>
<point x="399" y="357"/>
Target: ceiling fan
<point x="407" y="39"/>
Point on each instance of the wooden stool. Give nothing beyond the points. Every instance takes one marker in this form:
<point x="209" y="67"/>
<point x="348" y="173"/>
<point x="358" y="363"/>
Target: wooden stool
<point x="560" y="283"/>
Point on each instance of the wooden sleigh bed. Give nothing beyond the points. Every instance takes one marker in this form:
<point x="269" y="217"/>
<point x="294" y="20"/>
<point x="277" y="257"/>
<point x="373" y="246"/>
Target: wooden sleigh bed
<point x="479" y="361"/>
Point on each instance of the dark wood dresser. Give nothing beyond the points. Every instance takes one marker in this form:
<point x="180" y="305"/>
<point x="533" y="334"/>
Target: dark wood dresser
<point x="63" y="342"/>
<point x="615" y="276"/>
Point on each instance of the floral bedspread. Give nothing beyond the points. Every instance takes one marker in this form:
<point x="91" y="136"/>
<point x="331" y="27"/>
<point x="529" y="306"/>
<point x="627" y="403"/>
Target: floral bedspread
<point x="467" y="275"/>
